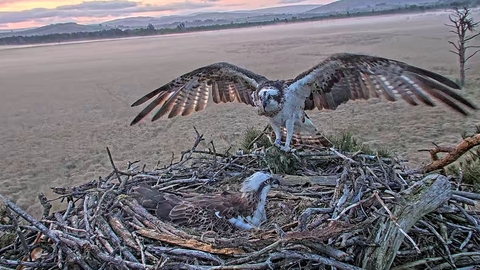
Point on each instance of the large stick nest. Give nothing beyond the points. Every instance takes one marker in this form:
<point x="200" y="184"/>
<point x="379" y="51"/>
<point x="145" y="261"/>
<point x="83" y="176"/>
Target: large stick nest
<point x="339" y="210"/>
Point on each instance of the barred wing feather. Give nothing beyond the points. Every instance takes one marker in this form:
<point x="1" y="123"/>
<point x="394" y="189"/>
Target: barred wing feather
<point x="343" y="77"/>
<point x="190" y="92"/>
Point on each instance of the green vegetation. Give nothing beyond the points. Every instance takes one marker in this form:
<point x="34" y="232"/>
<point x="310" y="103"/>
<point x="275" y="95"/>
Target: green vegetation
<point x="182" y="27"/>
<point x="345" y="142"/>
<point x="6" y="237"/>
<point x="281" y="162"/>
<point x="251" y="136"/>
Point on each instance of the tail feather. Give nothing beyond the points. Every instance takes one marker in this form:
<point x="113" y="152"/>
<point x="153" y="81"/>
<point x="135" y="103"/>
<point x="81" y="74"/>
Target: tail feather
<point x="155" y="201"/>
<point x="298" y="139"/>
<point x="305" y="134"/>
<point x="308" y="126"/>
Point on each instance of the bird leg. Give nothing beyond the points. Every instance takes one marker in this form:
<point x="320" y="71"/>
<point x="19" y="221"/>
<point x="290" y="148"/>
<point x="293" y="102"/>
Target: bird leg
<point x="278" y="134"/>
<point x="289" y="125"/>
<point x="240" y="223"/>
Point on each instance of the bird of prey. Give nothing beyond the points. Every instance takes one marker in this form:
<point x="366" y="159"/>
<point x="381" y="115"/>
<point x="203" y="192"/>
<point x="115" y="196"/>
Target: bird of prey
<point x="219" y="212"/>
<point x="334" y="81"/>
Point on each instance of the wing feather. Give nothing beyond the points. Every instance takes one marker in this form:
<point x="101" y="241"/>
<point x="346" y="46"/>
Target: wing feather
<point x="181" y="102"/>
<point x="168" y="105"/>
<point x="202" y="211"/>
<point x="344" y="77"/>
<point x="417" y="91"/>
<point x="159" y="101"/>
<point x="155" y="201"/>
<point x="203" y="99"/>
<point x="191" y="102"/>
<point x="216" y="93"/>
<point x="190" y="92"/>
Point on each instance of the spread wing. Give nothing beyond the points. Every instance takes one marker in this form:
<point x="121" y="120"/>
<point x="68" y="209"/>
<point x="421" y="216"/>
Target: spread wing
<point x="344" y="77"/>
<point x="190" y="92"/>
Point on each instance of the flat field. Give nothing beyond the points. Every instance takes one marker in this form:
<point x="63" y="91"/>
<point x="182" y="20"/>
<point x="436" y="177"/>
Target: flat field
<point x="61" y="105"/>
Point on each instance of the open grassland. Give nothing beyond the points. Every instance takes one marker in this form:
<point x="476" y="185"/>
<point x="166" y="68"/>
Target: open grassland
<point x="61" y="105"/>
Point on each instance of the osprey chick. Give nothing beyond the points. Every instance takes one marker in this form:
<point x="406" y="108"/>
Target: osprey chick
<point x="220" y="212"/>
<point x="336" y="80"/>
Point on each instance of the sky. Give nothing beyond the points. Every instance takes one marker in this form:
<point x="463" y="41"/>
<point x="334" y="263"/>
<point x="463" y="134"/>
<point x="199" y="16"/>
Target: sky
<point x="16" y="14"/>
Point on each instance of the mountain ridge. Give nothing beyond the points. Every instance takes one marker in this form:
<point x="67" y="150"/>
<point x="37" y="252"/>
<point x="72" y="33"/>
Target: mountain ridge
<point x="169" y="21"/>
<point x="349" y="5"/>
<point x="207" y="19"/>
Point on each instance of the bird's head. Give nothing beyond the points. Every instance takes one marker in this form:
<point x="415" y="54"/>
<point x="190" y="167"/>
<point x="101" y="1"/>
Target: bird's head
<point x="255" y="189"/>
<point x="269" y="98"/>
<point x="259" y="183"/>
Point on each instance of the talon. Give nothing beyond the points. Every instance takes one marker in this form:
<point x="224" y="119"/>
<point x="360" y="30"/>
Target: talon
<point x="277" y="142"/>
<point x="285" y="148"/>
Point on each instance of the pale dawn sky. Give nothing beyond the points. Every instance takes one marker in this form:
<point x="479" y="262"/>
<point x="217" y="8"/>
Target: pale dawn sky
<point x="29" y="13"/>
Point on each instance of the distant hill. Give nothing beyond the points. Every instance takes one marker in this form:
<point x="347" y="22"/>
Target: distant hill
<point x="132" y="20"/>
<point x="56" y="28"/>
<point x="235" y="16"/>
<point x="344" y="5"/>
<point x="209" y="19"/>
<point x="174" y="20"/>
<point x="283" y="9"/>
<point x="196" y="19"/>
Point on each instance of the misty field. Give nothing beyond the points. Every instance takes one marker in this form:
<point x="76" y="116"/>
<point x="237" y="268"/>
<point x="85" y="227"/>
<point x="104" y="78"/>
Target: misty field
<point x="61" y="105"/>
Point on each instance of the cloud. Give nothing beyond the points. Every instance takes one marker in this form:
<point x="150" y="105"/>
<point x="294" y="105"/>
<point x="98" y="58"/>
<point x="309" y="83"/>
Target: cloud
<point x="99" y="5"/>
<point x="290" y="1"/>
<point x="3" y="2"/>
<point x="7" y="2"/>
<point x="96" y="9"/>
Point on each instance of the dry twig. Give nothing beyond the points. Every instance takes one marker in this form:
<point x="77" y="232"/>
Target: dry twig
<point x="340" y="209"/>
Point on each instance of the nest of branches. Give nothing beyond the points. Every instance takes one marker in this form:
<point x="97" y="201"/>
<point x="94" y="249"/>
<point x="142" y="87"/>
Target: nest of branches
<point x="337" y="211"/>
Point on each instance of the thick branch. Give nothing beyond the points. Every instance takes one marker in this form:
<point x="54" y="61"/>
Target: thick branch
<point x="452" y="155"/>
<point x="188" y="243"/>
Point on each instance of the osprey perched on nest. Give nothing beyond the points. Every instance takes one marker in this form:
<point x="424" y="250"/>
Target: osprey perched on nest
<point x="220" y="212"/>
<point x="336" y="80"/>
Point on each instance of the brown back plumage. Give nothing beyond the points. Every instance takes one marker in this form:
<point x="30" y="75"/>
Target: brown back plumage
<point x="190" y="92"/>
<point x="201" y="211"/>
<point x="343" y="77"/>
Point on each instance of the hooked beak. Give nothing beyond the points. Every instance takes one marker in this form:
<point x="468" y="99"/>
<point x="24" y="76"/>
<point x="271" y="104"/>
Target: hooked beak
<point x="264" y="103"/>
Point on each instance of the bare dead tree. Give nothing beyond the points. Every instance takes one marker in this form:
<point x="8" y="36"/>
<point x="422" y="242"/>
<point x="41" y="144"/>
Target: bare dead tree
<point x="463" y="24"/>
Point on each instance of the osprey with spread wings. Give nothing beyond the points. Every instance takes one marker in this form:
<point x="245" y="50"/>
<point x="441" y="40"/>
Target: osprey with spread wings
<point x="336" y="80"/>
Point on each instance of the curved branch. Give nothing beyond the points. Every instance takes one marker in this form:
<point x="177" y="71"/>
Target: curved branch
<point x="452" y="154"/>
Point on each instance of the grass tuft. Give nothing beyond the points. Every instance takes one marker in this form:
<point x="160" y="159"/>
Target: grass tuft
<point x="346" y="142"/>
<point x="286" y="163"/>
<point x="6" y="237"/>
<point x="280" y="162"/>
<point x="250" y="135"/>
<point x="469" y="165"/>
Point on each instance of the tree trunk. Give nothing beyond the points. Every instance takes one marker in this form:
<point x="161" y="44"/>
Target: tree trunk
<point x="462" y="64"/>
<point x="419" y="200"/>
